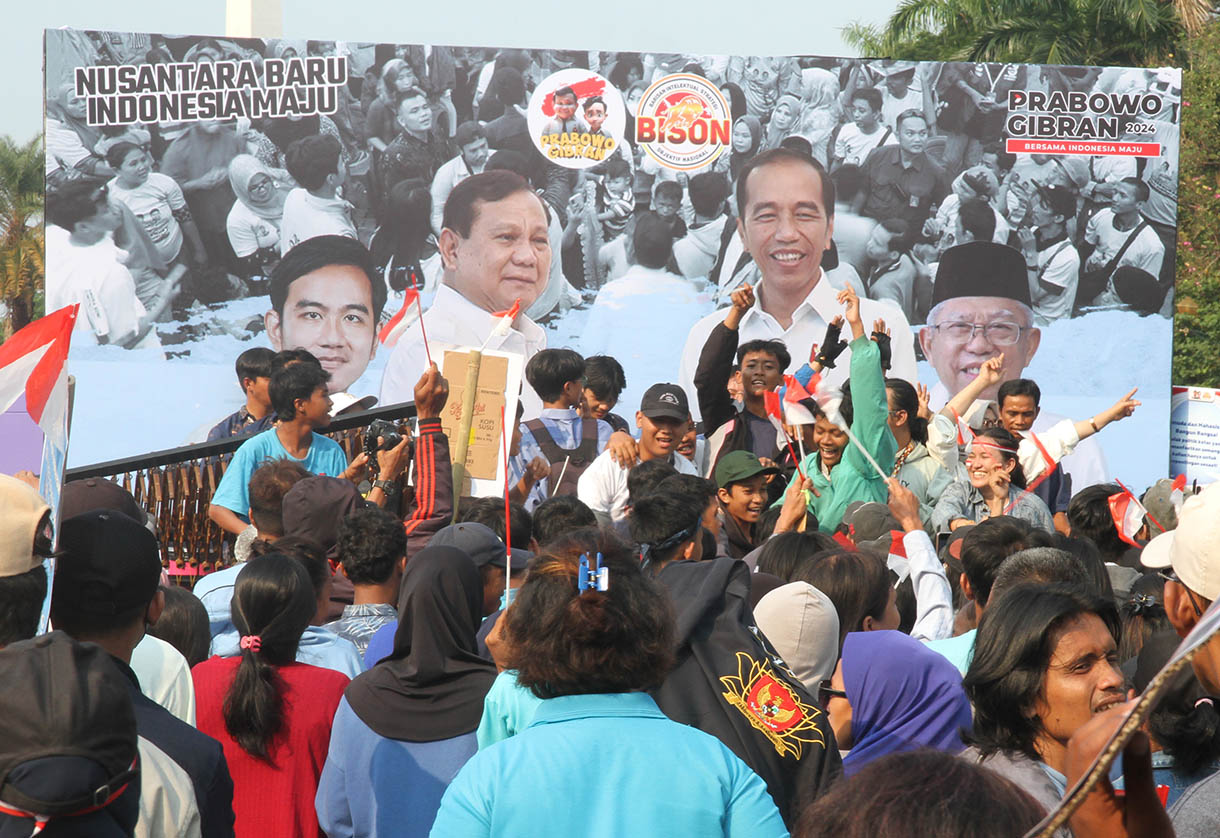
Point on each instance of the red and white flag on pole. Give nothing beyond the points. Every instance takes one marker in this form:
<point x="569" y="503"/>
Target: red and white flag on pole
<point x="407" y="314"/>
<point x="1177" y="492"/>
<point x="505" y="324"/>
<point x="1128" y="514"/>
<point x="33" y="362"/>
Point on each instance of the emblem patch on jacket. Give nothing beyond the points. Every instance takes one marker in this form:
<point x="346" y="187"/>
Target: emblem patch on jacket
<point x="772" y="707"/>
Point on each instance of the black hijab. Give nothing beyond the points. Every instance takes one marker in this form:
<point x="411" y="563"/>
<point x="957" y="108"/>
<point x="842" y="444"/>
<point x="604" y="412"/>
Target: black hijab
<point x="432" y="685"/>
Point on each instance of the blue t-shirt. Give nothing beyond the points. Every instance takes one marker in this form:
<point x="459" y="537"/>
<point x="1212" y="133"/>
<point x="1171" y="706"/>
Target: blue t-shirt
<point x="325" y="458"/>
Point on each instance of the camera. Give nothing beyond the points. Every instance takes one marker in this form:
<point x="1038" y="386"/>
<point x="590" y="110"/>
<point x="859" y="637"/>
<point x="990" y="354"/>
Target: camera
<point x="390" y="434"/>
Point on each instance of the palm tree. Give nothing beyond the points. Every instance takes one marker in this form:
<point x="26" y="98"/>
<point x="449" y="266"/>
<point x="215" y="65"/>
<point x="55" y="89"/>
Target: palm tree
<point x="22" y="269"/>
<point x="1135" y="33"/>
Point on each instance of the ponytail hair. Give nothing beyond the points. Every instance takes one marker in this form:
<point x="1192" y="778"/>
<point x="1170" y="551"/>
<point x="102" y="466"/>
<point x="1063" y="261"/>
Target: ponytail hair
<point x="905" y="398"/>
<point x="273" y="602"/>
<point x="1005" y="440"/>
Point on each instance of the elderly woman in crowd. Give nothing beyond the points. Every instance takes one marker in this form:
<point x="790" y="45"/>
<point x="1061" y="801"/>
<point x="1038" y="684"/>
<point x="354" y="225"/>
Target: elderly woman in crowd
<point x="253" y="224"/>
<point x="592" y="650"/>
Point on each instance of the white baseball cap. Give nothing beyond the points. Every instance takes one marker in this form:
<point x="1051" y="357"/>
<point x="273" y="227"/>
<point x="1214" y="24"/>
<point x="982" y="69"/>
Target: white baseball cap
<point x="1193" y="549"/>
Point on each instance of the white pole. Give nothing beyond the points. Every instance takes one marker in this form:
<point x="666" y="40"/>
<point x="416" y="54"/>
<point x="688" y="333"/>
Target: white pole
<point x="254" y="18"/>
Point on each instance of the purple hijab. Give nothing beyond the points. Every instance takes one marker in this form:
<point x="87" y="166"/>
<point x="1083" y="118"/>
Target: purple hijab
<point x="903" y="696"/>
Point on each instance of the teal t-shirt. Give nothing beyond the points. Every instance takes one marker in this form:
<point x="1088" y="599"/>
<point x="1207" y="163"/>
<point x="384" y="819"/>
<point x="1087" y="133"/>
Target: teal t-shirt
<point x="325" y="458"/>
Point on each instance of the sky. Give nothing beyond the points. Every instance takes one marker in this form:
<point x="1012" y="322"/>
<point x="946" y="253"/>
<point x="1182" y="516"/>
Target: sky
<point x="787" y="27"/>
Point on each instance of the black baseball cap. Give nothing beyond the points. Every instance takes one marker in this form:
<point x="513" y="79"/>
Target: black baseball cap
<point x="665" y="401"/>
<point x="69" y="733"/>
<point x="108" y="564"/>
<point x="482" y="545"/>
<point x="315" y="506"/>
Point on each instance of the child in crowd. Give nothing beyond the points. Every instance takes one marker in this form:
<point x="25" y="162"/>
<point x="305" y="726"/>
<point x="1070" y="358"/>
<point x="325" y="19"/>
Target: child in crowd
<point x="254" y="378"/>
<point x="615" y="199"/>
<point x="666" y="203"/>
<point x="565" y="439"/>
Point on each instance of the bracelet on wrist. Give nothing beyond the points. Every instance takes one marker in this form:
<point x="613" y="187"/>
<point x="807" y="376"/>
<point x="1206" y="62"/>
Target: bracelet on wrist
<point x="1093" y="425"/>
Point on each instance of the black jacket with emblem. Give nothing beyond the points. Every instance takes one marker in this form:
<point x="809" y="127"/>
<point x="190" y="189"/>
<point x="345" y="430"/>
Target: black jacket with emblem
<point x="727" y="681"/>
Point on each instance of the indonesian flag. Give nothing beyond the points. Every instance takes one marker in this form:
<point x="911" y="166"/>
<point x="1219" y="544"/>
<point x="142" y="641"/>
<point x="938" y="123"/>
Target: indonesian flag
<point x="775" y="410"/>
<point x="792" y="393"/>
<point x="1128" y="515"/>
<point x="33" y="361"/>
<point x="406" y="315"/>
<point x="897" y="560"/>
<point x="965" y="433"/>
<point x="1177" y="492"/>
<point x="505" y="323"/>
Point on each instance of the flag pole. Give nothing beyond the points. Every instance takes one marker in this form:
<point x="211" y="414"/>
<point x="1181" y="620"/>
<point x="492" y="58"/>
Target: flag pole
<point x="508" y="523"/>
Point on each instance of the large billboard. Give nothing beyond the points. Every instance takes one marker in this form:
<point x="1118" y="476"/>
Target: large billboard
<point x="218" y="156"/>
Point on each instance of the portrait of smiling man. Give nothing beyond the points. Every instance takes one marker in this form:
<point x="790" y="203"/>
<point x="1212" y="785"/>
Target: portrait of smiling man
<point x="785" y="212"/>
<point x="326" y="297"/>
<point x="981" y="309"/>
<point x="496" y="250"/>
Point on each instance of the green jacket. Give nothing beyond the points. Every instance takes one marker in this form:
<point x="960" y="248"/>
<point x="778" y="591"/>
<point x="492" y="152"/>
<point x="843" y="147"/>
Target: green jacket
<point x="853" y="478"/>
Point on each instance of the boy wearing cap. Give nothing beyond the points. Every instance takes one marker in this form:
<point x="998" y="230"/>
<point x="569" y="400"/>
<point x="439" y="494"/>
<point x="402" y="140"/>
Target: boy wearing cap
<point x="106" y="592"/>
<point x="741" y="487"/>
<point x="662" y="419"/>
<point x="67" y="732"/>
<point x="25" y="530"/>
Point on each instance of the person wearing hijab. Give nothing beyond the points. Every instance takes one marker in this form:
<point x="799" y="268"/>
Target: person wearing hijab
<point x="405" y="727"/>
<point x="783" y="119"/>
<point x="599" y="757"/>
<point x="253" y="224"/>
<point x="271" y="714"/>
<point x="802" y="624"/>
<point x="746" y="140"/>
<point x="736" y="98"/>
<point x="821" y="112"/>
<point x="890" y="693"/>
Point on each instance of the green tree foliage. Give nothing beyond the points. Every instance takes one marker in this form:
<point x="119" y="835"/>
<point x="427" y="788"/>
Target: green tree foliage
<point x="21" y="232"/>
<point x="1196" y="345"/>
<point x="1134" y="33"/>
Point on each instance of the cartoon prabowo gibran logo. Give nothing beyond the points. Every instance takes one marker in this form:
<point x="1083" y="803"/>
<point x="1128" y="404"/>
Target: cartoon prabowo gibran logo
<point x="683" y="122"/>
<point x="576" y="118"/>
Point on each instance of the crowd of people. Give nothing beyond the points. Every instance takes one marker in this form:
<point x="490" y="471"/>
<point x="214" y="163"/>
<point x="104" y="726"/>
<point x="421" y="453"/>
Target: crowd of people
<point x="786" y="596"/>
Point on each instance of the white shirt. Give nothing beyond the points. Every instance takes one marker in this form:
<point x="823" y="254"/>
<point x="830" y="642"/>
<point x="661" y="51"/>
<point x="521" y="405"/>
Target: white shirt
<point x="892" y="107"/>
<point x="307" y="216"/>
<point x="250" y="233"/>
<point x="853" y="145"/>
<point x="1146" y="251"/>
<point x="603" y="485"/>
<point x="454" y="320"/>
<point x="165" y="677"/>
<point x="1086" y="464"/>
<point x="96" y="277"/>
<point x="449" y="175"/>
<point x="154" y="202"/>
<point x="1058" y="265"/>
<point x="808" y="327"/>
